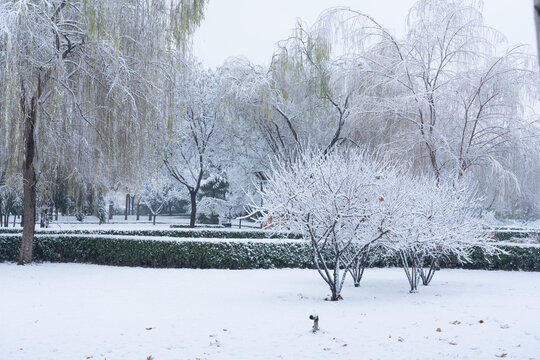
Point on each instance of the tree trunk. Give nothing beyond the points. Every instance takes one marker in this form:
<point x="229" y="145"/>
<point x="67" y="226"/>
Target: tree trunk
<point x="154" y="220"/>
<point x="55" y="213"/>
<point x="127" y="207"/>
<point x="193" y="197"/>
<point x="0" y="211"/>
<point x="138" y="210"/>
<point x="6" y="219"/>
<point x="111" y="210"/>
<point x="537" y="23"/>
<point x="29" y="185"/>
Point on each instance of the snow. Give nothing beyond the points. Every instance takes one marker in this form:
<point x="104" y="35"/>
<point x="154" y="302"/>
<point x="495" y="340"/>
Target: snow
<point x="171" y="238"/>
<point x="77" y="311"/>
<point x="163" y="222"/>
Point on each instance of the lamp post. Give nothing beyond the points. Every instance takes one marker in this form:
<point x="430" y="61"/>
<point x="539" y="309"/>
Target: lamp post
<point x="261" y="175"/>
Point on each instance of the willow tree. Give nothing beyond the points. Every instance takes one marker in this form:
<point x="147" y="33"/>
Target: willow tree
<point x="308" y="95"/>
<point x="450" y="95"/>
<point x="77" y="76"/>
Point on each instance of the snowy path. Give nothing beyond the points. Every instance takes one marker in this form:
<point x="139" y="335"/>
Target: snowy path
<point x="76" y="311"/>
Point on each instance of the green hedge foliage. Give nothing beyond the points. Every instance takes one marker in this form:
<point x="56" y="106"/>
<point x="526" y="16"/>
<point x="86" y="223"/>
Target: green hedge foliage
<point x="244" y="254"/>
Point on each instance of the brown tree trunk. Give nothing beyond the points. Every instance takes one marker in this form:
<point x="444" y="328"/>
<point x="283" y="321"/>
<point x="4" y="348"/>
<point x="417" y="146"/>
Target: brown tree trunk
<point x="127" y="207"/>
<point x="138" y="210"/>
<point x="111" y="210"/>
<point x="29" y="184"/>
<point x="537" y="23"/>
<point x="193" y="197"/>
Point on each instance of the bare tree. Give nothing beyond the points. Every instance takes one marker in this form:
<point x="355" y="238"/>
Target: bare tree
<point x="189" y="157"/>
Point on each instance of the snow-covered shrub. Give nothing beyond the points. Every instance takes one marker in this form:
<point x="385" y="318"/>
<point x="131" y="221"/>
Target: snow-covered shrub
<point x="437" y="219"/>
<point x="346" y="203"/>
<point x="334" y="200"/>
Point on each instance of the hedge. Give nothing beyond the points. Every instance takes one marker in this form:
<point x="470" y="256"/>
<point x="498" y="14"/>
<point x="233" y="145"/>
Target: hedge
<point x="154" y="253"/>
<point x="179" y="233"/>
<point x="245" y="254"/>
<point x="508" y="235"/>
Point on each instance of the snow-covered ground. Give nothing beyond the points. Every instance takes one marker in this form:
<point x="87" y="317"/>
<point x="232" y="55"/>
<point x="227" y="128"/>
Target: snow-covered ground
<point x="118" y="223"/>
<point x="76" y="311"/>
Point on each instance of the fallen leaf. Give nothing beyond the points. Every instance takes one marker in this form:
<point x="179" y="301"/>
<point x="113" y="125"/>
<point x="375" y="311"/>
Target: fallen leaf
<point x="452" y="343"/>
<point x="149" y="357"/>
<point x="400" y="339"/>
<point x="481" y="321"/>
<point x="326" y="349"/>
<point x="344" y="345"/>
<point x="89" y="357"/>
<point x="438" y="330"/>
<point x="504" y="326"/>
<point x="502" y="355"/>
<point x="148" y="328"/>
<point x="225" y="330"/>
<point x="381" y="199"/>
<point x="456" y="322"/>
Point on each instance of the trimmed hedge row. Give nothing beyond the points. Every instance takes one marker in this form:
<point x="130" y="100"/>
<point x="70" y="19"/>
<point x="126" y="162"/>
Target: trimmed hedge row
<point x="223" y="255"/>
<point x="183" y="233"/>
<point x="508" y="235"/>
<point x="169" y="254"/>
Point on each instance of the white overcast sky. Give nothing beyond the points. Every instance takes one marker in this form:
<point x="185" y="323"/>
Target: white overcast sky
<point x="251" y="28"/>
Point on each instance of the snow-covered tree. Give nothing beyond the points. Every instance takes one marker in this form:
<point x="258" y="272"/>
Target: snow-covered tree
<point x="447" y="96"/>
<point x="193" y="150"/>
<point x="434" y="221"/>
<point x="335" y="201"/>
<point x="156" y="192"/>
<point x="70" y="74"/>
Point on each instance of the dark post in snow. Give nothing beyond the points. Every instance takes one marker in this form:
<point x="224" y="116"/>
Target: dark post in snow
<point x="315" y="319"/>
